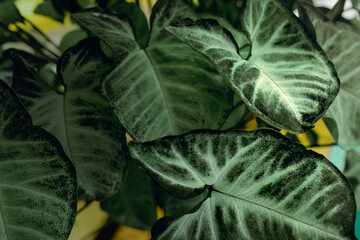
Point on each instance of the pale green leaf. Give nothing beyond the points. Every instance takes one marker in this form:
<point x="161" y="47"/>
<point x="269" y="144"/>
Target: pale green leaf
<point x="260" y="186"/>
<point x="79" y="116"/>
<point x="166" y="88"/>
<point x="37" y="180"/>
<point x="342" y="44"/>
<point x="287" y="80"/>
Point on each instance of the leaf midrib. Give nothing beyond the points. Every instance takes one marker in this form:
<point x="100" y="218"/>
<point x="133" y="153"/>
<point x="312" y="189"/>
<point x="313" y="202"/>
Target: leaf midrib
<point x="172" y="124"/>
<point x="276" y="211"/>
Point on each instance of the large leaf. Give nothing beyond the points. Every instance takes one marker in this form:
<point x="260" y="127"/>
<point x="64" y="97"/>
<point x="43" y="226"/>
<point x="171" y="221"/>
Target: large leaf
<point x="78" y="116"/>
<point x="287" y="80"/>
<point x="260" y="186"/>
<point x="134" y="205"/>
<point x="37" y="180"/>
<point x="342" y="45"/>
<point x="165" y="89"/>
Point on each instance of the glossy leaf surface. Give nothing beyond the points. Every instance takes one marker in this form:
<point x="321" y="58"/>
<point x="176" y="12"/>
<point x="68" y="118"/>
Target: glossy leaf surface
<point x="165" y="89"/>
<point x="287" y="80"/>
<point x="37" y="180"/>
<point x="79" y="116"/>
<point x="260" y="185"/>
<point x="342" y="44"/>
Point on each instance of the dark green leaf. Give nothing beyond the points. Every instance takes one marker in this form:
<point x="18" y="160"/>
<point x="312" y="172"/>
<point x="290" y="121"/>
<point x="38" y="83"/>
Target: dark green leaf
<point x="356" y="4"/>
<point x="37" y="180"/>
<point x="78" y="116"/>
<point x="166" y="89"/>
<point x="260" y="184"/>
<point x="134" y="205"/>
<point x="138" y="19"/>
<point x="227" y="9"/>
<point x="72" y="38"/>
<point x="287" y="81"/>
<point x="336" y="11"/>
<point x="47" y="9"/>
<point x="240" y="38"/>
<point x="342" y="45"/>
<point x="9" y="13"/>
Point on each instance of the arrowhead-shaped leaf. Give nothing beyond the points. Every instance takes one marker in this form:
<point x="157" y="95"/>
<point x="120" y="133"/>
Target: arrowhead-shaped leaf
<point x="37" y="180"/>
<point x="287" y="80"/>
<point x="260" y="186"/>
<point x="166" y="88"/>
<point x="342" y="45"/>
<point x="79" y="116"/>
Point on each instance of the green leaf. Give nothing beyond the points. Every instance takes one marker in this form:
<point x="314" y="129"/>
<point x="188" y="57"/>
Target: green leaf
<point x="240" y="38"/>
<point x="137" y="17"/>
<point x="342" y="45"/>
<point x="356" y="4"/>
<point x="72" y="38"/>
<point x="287" y="81"/>
<point x="165" y="89"/>
<point x="134" y="205"/>
<point x="336" y="11"/>
<point x="9" y="13"/>
<point x="37" y="180"/>
<point x="47" y="9"/>
<point x="260" y="186"/>
<point x="78" y="115"/>
<point x="352" y="172"/>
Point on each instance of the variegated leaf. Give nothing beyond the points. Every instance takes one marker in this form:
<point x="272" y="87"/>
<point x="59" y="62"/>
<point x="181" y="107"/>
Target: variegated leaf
<point x="260" y="186"/>
<point x="79" y="116"/>
<point x="37" y="180"/>
<point x="166" y="88"/>
<point x="287" y="79"/>
<point x="342" y="44"/>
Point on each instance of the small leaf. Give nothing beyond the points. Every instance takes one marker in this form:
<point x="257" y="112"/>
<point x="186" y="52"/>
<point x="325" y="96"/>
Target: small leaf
<point x="260" y="184"/>
<point x="9" y="13"/>
<point x="134" y="205"/>
<point x="47" y="9"/>
<point x="175" y="88"/>
<point x="79" y="116"/>
<point x="137" y="17"/>
<point x="72" y="38"/>
<point x="342" y="44"/>
<point x="37" y="180"/>
<point x="352" y="172"/>
<point x="336" y="11"/>
<point x="287" y="81"/>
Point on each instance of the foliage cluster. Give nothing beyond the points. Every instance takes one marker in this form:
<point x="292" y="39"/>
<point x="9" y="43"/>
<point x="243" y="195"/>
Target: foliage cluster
<point x="184" y="87"/>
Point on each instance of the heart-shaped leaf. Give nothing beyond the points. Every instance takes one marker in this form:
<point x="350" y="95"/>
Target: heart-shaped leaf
<point x="342" y="44"/>
<point x="260" y="186"/>
<point x="37" y="180"/>
<point x="287" y="80"/>
<point x="166" y="88"/>
<point x="79" y="116"/>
